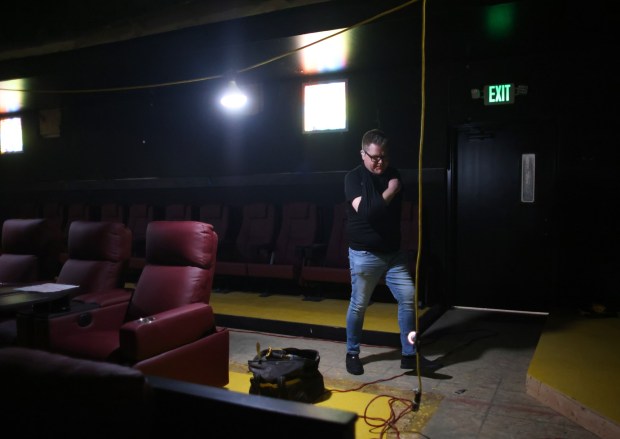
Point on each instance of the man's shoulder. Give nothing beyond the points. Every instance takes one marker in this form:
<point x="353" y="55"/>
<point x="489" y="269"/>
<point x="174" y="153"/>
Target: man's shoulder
<point x="392" y="172"/>
<point x="354" y="171"/>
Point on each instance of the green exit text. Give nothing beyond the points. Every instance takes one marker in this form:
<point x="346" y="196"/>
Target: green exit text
<point x="499" y="94"/>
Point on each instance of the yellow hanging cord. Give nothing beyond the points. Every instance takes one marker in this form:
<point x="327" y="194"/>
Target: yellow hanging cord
<point x="420" y="155"/>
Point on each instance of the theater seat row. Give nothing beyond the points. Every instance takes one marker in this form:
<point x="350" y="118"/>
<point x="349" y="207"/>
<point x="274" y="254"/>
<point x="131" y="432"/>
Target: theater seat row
<point x="296" y="249"/>
<point x="110" y="323"/>
<point x="269" y="245"/>
<point x="136" y="216"/>
<point x="296" y="241"/>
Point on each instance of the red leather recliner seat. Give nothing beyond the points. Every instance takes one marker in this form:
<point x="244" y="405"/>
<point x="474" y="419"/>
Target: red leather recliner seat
<point x="98" y="255"/>
<point x="168" y="328"/>
<point x="30" y="249"/>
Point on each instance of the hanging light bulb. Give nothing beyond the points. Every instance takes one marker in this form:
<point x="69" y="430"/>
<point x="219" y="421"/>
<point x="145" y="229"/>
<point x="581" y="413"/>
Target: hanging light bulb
<point x="233" y="97"/>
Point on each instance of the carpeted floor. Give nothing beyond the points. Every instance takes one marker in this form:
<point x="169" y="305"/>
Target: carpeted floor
<point x="379" y="409"/>
<point x="572" y="360"/>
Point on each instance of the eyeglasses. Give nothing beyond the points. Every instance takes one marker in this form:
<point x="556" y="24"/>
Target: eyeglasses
<point x="377" y="158"/>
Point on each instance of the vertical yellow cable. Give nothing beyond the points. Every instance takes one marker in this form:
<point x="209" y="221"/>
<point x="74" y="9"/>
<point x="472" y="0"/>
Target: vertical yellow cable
<point x="420" y="149"/>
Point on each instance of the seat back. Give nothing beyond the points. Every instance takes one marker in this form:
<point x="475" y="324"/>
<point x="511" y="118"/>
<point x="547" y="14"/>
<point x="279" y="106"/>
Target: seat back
<point x="138" y="218"/>
<point x="258" y="228"/>
<point x="30" y="249"/>
<point x="98" y="253"/>
<point x="299" y="228"/>
<point x="180" y="264"/>
<point x="45" y="387"/>
<point x="409" y="230"/>
<point x="337" y="254"/>
<point x="178" y="212"/>
<point x="54" y="212"/>
<point x="218" y="215"/>
<point x="76" y="211"/>
<point x="26" y="210"/>
<point x="112" y="212"/>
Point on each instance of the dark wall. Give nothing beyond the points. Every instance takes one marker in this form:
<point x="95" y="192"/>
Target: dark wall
<point x="180" y="133"/>
<point x="173" y="143"/>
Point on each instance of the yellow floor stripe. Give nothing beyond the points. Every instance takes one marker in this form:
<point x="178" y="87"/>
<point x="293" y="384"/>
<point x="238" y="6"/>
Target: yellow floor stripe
<point x="355" y="402"/>
<point x="380" y="316"/>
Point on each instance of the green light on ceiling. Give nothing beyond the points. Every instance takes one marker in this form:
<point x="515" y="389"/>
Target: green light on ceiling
<point x="500" y="20"/>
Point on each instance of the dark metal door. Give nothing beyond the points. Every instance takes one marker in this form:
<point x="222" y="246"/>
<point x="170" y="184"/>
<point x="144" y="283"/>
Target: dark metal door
<point x="502" y="206"/>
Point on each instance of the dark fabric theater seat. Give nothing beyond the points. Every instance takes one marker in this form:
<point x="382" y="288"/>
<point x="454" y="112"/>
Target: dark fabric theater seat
<point x="299" y="229"/>
<point x="254" y="242"/>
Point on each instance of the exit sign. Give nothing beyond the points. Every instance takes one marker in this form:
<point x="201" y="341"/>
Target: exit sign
<point x="499" y="94"/>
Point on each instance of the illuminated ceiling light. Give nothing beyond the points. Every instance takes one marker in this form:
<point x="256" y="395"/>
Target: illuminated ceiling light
<point x="233" y="97"/>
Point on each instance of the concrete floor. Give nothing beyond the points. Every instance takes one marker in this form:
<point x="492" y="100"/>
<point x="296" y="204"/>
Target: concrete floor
<point x="479" y="393"/>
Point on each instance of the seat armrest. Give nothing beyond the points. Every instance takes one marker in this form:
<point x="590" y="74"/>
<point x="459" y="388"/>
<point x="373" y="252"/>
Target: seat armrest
<point x="105" y="298"/>
<point x="83" y="318"/>
<point x="149" y="336"/>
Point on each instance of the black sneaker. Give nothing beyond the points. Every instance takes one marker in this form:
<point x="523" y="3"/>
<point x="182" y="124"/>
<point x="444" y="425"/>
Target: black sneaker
<point x="426" y="365"/>
<point x="354" y="364"/>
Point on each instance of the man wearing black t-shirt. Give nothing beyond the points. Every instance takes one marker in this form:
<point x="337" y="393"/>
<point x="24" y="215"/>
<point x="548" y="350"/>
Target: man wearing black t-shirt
<point x="373" y="192"/>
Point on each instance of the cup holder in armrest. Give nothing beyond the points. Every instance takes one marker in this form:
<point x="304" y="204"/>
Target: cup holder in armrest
<point x="84" y="319"/>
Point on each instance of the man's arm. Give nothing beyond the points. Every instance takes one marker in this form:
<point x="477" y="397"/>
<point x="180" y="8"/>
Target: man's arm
<point x="352" y="188"/>
<point x="393" y="188"/>
<point x="391" y="191"/>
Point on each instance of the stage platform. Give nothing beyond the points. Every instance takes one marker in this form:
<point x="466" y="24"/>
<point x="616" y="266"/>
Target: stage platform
<point x="576" y="370"/>
<point x="298" y="316"/>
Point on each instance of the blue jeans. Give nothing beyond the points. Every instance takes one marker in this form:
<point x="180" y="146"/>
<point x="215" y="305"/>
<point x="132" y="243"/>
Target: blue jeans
<point x="366" y="271"/>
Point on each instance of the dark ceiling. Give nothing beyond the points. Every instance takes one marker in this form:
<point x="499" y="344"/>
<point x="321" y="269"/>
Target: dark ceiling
<point x="35" y="27"/>
<point x="128" y="45"/>
<point x="66" y="44"/>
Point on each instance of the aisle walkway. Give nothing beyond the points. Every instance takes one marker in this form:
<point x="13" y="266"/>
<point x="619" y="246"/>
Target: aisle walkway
<point x="480" y="393"/>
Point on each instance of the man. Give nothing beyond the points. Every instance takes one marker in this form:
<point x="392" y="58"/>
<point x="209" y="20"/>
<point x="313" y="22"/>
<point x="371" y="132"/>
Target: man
<point x="373" y="192"/>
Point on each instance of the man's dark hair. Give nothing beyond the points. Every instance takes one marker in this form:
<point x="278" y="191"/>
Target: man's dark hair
<point x="375" y="136"/>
